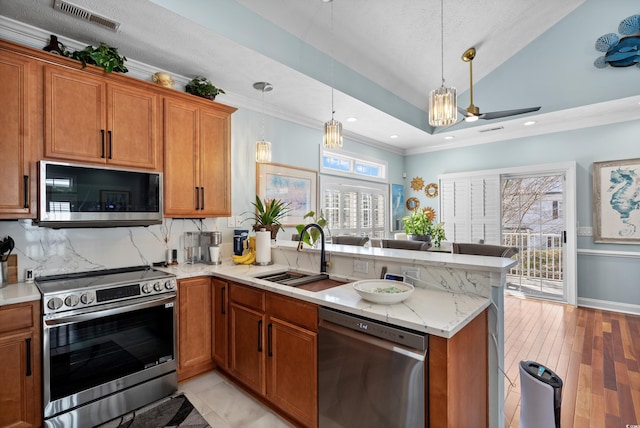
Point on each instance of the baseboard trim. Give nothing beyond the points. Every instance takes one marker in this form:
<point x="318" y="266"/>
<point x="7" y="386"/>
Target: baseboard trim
<point x="608" y="305"/>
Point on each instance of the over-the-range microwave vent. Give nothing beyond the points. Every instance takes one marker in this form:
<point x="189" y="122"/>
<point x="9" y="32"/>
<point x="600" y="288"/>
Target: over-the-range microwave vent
<point x="84" y="14"/>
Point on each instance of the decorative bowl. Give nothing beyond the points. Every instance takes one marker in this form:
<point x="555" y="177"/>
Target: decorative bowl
<point x="383" y="291"/>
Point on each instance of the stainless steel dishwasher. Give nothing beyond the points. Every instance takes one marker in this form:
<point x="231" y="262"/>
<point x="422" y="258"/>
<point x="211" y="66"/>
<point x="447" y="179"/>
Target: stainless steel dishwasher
<point x="370" y="373"/>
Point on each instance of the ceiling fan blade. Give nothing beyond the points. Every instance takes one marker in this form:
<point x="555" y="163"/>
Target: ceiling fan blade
<point x="506" y="113"/>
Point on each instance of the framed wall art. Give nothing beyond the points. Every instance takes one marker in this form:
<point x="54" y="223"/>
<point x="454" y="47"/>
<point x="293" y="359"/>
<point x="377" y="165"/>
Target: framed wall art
<point x="397" y="206"/>
<point x="616" y="201"/>
<point x="297" y="186"/>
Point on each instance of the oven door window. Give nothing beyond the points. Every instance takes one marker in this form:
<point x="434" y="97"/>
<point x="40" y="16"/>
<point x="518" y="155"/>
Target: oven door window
<point x="89" y="353"/>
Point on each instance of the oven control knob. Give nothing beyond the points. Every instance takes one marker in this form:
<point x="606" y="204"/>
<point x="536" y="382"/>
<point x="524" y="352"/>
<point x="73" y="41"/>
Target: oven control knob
<point x="157" y="286"/>
<point x="87" y="298"/>
<point x="169" y="285"/>
<point x="71" y="300"/>
<point x="55" y="303"/>
<point x="146" y="288"/>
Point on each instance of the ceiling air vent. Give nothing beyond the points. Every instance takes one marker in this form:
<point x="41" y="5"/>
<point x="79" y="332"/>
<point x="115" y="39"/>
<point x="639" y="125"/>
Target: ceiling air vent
<point x="497" y="128"/>
<point x="87" y="15"/>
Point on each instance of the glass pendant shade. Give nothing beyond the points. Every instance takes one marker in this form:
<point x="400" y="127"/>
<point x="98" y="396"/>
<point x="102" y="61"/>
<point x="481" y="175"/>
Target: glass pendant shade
<point x="443" y="106"/>
<point x="263" y="151"/>
<point x="332" y="134"/>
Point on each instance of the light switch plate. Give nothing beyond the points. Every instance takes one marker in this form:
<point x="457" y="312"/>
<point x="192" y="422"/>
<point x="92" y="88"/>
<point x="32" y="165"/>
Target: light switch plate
<point x="360" y="266"/>
<point x="231" y="222"/>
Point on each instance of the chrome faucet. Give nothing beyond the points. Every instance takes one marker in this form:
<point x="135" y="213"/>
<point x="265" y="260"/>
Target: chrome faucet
<point x="323" y="257"/>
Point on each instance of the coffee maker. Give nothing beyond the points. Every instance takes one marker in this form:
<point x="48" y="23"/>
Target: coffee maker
<point x="200" y="246"/>
<point x="192" y="249"/>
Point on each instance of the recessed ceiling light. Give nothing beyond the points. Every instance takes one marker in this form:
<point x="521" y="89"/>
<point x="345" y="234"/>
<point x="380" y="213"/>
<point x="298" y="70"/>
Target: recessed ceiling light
<point x="449" y="137"/>
<point x="529" y="123"/>
<point x="352" y="119"/>
<point x="393" y="137"/>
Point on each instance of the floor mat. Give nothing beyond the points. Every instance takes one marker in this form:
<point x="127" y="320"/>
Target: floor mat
<point x="170" y="412"/>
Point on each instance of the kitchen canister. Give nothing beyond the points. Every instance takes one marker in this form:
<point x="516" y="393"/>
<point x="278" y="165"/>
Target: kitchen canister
<point x="263" y="247"/>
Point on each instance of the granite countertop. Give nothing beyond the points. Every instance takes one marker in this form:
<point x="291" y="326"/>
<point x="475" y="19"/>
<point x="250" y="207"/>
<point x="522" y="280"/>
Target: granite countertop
<point x="433" y="311"/>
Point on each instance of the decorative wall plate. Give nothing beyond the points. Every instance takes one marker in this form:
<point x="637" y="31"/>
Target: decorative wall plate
<point x="430" y="212"/>
<point x="417" y="183"/>
<point x="413" y="204"/>
<point x="431" y="190"/>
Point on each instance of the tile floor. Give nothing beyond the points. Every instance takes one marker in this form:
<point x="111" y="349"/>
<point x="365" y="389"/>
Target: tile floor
<point x="224" y="405"/>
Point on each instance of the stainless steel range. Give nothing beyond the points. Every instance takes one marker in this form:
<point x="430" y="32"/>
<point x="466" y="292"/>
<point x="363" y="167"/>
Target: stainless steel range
<point x="108" y="343"/>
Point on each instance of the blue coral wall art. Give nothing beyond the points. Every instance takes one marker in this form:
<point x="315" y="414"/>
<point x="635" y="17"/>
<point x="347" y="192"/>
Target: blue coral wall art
<point x="620" y="52"/>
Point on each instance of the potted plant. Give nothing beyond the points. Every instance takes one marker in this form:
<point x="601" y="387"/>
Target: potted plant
<point x="103" y="56"/>
<point x="311" y="237"/>
<point x="202" y="87"/>
<point x="268" y="215"/>
<point x="419" y="226"/>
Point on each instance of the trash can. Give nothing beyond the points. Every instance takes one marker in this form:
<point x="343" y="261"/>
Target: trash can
<point x="541" y="396"/>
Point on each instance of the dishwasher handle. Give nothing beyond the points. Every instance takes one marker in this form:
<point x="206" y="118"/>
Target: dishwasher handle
<point x="331" y="328"/>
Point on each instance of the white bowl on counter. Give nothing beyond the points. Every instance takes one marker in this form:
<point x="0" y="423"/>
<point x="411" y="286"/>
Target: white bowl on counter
<point x="383" y="291"/>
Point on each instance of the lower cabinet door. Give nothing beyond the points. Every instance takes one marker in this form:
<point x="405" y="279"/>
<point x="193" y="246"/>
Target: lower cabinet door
<point x="247" y="347"/>
<point x="292" y="371"/>
<point x="19" y="402"/>
<point x="194" y="327"/>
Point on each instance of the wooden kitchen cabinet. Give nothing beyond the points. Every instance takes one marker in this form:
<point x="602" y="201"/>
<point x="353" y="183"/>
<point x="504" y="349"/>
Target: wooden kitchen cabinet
<point x="194" y="327"/>
<point x="273" y="350"/>
<point x="18" y="131"/>
<point x="220" y="310"/>
<point x="91" y="119"/>
<point x="20" y="395"/>
<point x="197" y="155"/>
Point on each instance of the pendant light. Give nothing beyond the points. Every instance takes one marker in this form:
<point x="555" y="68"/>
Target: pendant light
<point x="443" y="104"/>
<point x="263" y="147"/>
<point x="333" y="128"/>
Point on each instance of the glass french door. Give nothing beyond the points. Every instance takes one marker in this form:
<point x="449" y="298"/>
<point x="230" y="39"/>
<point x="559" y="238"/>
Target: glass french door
<point x="533" y="220"/>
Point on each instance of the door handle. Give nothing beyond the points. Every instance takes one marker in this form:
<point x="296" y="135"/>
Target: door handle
<point x="269" y="350"/>
<point x="28" y="343"/>
<point x="197" y="198"/>
<point x="102" y="136"/>
<point x="260" y="336"/>
<point x="110" y="145"/>
<point x="26" y="191"/>
<point x="223" y="309"/>
<point x="202" y="193"/>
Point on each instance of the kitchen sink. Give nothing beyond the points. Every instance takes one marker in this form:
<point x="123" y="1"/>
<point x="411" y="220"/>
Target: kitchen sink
<point x="310" y="282"/>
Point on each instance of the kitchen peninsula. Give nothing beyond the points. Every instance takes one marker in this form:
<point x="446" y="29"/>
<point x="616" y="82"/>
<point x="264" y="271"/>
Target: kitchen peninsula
<point x="458" y="302"/>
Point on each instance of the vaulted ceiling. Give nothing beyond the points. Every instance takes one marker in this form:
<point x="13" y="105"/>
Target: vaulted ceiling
<point x="382" y="57"/>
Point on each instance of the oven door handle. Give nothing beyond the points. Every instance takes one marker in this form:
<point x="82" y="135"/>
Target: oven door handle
<point x="88" y="316"/>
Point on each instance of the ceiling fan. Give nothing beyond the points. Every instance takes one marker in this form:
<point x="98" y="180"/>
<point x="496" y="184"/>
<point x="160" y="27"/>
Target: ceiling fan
<point x="472" y="113"/>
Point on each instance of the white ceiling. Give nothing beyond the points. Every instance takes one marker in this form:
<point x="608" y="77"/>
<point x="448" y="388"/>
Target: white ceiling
<point x="394" y="45"/>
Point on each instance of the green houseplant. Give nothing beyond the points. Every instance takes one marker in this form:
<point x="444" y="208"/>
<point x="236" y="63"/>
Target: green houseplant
<point x="312" y="234"/>
<point x="103" y="56"/>
<point x="269" y="214"/>
<point x="202" y="87"/>
<point x="419" y="226"/>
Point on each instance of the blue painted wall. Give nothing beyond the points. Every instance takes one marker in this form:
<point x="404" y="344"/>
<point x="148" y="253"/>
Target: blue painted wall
<point x="599" y="277"/>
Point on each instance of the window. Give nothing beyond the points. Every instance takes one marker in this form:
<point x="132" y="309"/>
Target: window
<point x="351" y="165"/>
<point x="354" y="207"/>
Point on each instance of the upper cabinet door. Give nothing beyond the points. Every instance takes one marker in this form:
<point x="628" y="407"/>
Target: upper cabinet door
<point x="90" y="119"/>
<point x="75" y="116"/>
<point x="132" y="134"/>
<point x="18" y="197"/>
<point x="215" y="162"/>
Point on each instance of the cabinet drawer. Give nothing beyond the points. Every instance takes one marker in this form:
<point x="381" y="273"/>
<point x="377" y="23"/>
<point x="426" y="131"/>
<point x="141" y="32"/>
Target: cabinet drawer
<point x="294" y="311"/>
<point x="16" y="317"/>
<point x="247" y="296"/>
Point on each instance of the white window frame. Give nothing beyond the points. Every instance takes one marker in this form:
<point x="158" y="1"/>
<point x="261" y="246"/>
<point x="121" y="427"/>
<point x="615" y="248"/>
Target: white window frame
<point x="353" y="160"/>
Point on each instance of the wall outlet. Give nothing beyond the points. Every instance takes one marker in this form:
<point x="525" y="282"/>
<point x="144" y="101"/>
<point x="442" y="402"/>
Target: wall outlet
<point x="360" y="266"/>
<point x="238" y="221"/>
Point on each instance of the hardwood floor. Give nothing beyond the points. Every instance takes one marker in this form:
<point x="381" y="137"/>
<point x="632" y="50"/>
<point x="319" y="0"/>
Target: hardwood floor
<point x="596" y="353"/>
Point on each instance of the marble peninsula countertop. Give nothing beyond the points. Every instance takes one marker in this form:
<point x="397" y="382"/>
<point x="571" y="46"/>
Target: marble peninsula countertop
<point x="434" y="311"/>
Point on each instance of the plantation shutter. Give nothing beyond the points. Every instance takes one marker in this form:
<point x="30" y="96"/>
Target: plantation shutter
<point x="470" y="207"/>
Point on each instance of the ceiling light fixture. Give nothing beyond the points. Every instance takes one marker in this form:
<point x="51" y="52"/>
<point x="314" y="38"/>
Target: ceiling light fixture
<point x="443" y="104"/>
<point x="333" y="128"/>
<point x="263" y="148"/>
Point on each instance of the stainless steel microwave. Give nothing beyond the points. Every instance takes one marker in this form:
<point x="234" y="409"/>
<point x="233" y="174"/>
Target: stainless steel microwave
<point x="73" y="195"/>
